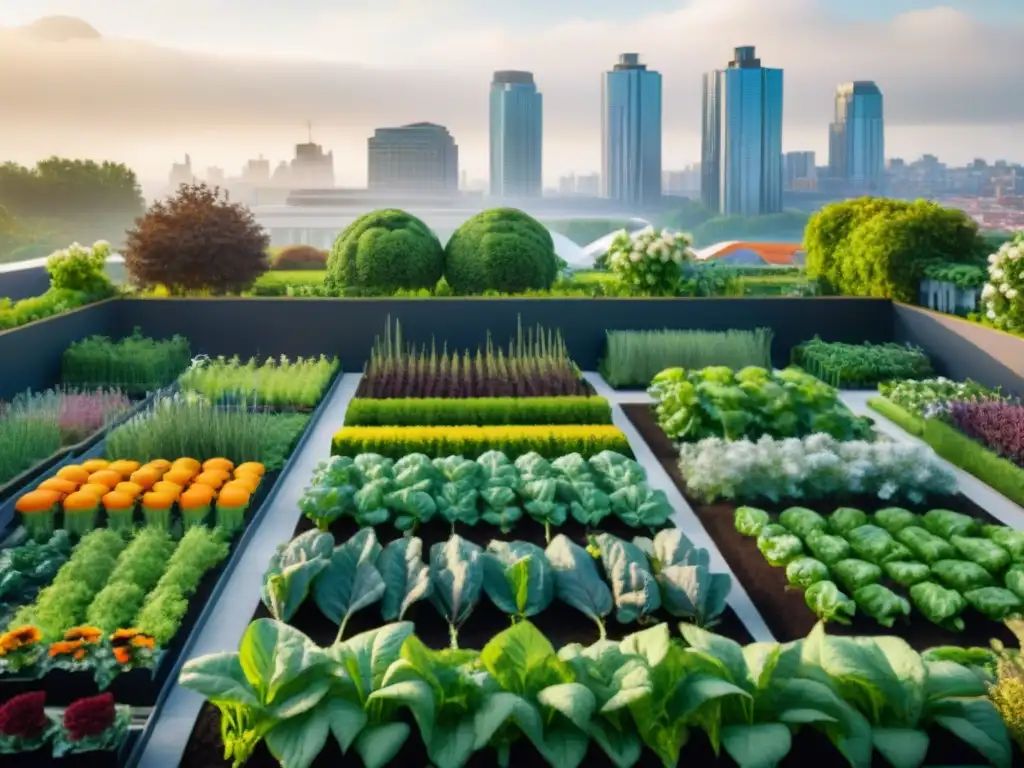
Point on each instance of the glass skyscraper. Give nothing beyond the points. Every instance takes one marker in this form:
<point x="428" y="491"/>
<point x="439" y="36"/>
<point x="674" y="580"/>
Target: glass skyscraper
<point x="741" y="138"/>
<point x="856" y="141"/>
<point x="631" y="132"/>
<point x="517" y="128"/>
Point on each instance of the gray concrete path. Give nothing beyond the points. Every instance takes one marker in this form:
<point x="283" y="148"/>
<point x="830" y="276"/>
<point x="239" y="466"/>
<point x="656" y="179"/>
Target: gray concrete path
<point x="986" y="497"/>
<point x="684" y="517"/>
<point x="235" y="606"/>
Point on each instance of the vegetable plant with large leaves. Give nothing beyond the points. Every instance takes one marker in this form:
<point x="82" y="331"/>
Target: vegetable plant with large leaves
<point x="688" y="588"/>
<point x="577" y="581"/>
<point x="457" y="579"/>
<point x="350" y="581"/>
<point x="518" y="578"/>
<point x="292" y="571"/>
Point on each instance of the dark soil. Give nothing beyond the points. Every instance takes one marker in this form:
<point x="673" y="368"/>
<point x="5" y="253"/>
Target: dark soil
<point x="810" y="747"/>
<point x="783" y="607"/>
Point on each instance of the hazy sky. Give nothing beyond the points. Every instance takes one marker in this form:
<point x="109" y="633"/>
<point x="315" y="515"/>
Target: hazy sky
<point x="226" y="80"/>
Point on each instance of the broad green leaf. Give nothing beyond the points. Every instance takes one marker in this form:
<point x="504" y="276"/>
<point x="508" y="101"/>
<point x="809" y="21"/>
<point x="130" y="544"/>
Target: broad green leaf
<point x="367" y="656"/>
<point x="297" y="741"/>
<point x="901" y="747"/>
<point x="416" y="695"/>
<point x="804" y="716"/>
<point x="565" y="745"/>
<point x="651" y="644"/>
<point x="292" y="570"/>
<point x="851" y="736"/>
<point x="219" y="677"/>
<point x="457" y="576"/>
<point x="498" y="708"/>
<point x="346" y="719"/>
<point x="577" y="582"/>
<point x="573" y="700"/>
<point x="699" y="689"/>
<point x="406" y="577"/>
<point x="623" y="747"/>
<point x="522" y="661"/>
<point x="350" y="582"/>
<point x="762" y="659"/>
<point x="977" y="723"/>
<point x="518" y="578"/>
<point x="273" y="656"/>
<point x="728" y="652"/>
<point x="378" y="745"/>
<point x="451" y="745"/>
<point x="947" y="679"/>
<point x="636" y="593"/>
<point x="763" y="745"/>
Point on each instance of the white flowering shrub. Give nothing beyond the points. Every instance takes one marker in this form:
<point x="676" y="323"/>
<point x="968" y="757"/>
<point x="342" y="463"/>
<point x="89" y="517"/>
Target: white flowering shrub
<point x="1003" y="294"/>
<point x="81" y="268"/>
<point x="816" y="467"/>
<point x="648" y="263"/>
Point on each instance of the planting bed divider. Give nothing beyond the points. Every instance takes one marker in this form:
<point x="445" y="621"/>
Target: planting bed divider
<point x="228" y="610"/>
<point x="784" y="610"/>
<point x="67" y="455"/>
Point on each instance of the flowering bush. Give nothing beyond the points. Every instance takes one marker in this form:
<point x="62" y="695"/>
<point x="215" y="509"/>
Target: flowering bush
<point x="1003" y="294"/>
<point x="24" y="726"/>
<point x="998" y="425"/>
<point x="815" y="467"/>
<point x="921" y="397"/>
<point x="81" y="268"/>
<point x="649" y="263"/>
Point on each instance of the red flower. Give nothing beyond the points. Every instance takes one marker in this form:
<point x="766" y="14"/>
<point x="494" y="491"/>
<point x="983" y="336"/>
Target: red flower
<point x="23" y="716"/>
<point x="89" y="717"/>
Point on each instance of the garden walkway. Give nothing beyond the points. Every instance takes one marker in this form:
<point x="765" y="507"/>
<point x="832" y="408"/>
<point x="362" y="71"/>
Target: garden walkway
<point x="233" y="610"/>
<point x="989" y="499"/>
<point x="684" y="517"/>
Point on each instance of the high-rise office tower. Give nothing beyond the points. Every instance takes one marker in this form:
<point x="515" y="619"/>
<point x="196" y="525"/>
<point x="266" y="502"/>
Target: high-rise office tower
<point x="741" y="137"/>
<point x="420" y="157"/>
<point x="856" y="141"/>
<point x="631" y="132"/>
<point x="517" y="131"/>
<point x="801" y="170"/>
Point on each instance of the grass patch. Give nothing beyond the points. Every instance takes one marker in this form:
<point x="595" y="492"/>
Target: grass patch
<point x="477" y="411"/>
<point x="958" y="449"/>
<point x="634" y="358"/>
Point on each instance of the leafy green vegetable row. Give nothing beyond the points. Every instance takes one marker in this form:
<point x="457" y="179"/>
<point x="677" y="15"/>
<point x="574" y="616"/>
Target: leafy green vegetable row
<point x="520" y="578"/>
<point x="865" y="695"/>
<point x="751" y="403"/>
<point x="478" y="411"/>
<point x="944" y="559"/>
<point x="27" y="568"/>
<point x="372" y="490"/>
<point x="861" y="365"/>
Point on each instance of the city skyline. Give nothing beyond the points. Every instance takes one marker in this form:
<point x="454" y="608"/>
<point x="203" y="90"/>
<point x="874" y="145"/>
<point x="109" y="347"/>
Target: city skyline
<point x="516" y="135"/>
<point x="193" y="87"/>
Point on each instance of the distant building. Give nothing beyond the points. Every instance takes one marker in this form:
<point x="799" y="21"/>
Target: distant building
<point x="747" y="254"/>
<point x="584" y="184"/>
<point x="215" y="176"/>
<point x="631" y="132"/>
<point x="181" y="173"/>
<point x="420" y="157"/>
<point x="741" y="141"/>
<point x="801" y="171"/>
<point x="311" y="168"/>
<point x="856" y="146"/>
<point x="681" y="183"/>
<point x="516" y="135"/>
<point x="256" y="171"/>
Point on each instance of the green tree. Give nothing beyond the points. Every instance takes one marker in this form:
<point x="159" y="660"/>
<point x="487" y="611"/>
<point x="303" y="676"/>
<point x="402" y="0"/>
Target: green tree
<point x="882" y="247"/>
<point x="502" y="249"/>
<point x="384" y="251"/>
<point x="197" y="240"/>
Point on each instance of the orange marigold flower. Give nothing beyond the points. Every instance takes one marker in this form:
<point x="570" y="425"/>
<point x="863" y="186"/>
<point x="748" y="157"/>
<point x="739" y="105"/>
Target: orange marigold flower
<point x="95" y="465"/>
<point x="124" y="467"/>
<point x="65" y="648"/>
<point x="125" y="634"/>
<point x="59" y="485"/>
<point x="122" y="654"/>
<point x="80" y="654"/>
<point x="143" y="641"/>
<point x="107" y="477"/>
<point x="26" y="635"/>
<point x="37" y="501"/>
<point x="85" y="633"/>
<point x="74" y="473"/>
<point x="219" y="463"/>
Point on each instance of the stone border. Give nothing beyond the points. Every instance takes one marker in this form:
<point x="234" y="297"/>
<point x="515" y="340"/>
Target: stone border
<point x="230" y="610"/>
<point x="1003" y="509"/>
<point x="684" y="517"/>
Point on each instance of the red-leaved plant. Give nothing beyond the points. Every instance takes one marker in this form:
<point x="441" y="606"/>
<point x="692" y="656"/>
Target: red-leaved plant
<point x="81" y="414"/>
<point x="89" y="717"/>
<point x="23" y="717"/>
<point x="997" y="424"/>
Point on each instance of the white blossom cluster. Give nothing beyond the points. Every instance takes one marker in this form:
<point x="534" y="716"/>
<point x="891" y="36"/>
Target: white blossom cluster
<point x="1002" y="294"/>
<point x="101" y="248"/>
<point x="647" y="244"/>
<point x="814" y="467"/>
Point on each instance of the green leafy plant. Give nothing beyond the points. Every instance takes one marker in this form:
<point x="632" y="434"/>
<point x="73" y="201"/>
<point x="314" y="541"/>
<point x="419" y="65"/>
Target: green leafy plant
<point x="137" y="364"/>
<point x="138" y="570"/>
<point x="457" y="579"/>
<point x="350" y="581"/>
<point x="477" y="411"/>
<point x="683" y="572"/>
<point x="577" y="582"/>
<point x="292" y="570"/>
<point x="861" y="366"/>
<point x="277" y="383"/>
<point x="518" y="578"/>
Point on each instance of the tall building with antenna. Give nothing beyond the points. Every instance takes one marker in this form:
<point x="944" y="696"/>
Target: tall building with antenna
<point x="311" y="168"/>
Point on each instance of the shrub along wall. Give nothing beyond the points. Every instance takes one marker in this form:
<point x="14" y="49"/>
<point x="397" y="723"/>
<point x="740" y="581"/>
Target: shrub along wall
<point x="347" y="327"/>
<point x="961" y="349"/>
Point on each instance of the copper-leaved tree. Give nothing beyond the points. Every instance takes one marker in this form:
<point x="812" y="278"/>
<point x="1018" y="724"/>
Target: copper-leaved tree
<point x="197" y="240"/>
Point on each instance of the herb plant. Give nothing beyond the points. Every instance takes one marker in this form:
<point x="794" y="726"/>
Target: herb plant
<point x="860" y="366"/>
<point x="277" y="383"/>
<point x="136" y="364"/>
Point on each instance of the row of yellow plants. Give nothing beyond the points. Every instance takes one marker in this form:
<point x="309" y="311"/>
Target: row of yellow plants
<point x="471" y="441"/>
<point x="121" y="487"/>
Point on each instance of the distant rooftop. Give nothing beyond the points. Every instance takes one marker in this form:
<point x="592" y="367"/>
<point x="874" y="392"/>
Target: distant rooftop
<point x="513" y="77"/>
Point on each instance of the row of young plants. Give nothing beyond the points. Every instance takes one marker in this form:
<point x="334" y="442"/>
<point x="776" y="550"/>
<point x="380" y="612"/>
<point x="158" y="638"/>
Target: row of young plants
<point x="493" y="489"/>
<point x="36" y="426"/>
<point x="638" y="579"/>
<point x="275" y="383"/>
<point x="944" y="560"/>
<point x="861" y="366"/>
<point x="973" y="427"/>
<point x="477" y="411"/>
<point x="868" y="696"/>
<point x="136" y="363"/>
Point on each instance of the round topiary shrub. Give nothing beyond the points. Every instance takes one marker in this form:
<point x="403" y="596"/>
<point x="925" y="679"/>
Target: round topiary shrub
<point x="293" y="258"/>
<point x="384" y="251"/>
<point x="502" y="250"/>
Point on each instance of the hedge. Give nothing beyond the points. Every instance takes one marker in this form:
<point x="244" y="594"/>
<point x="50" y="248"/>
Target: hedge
<point x="958" y="449"/>
<point x="477" y="411"/>
<point x="471" y="442"/>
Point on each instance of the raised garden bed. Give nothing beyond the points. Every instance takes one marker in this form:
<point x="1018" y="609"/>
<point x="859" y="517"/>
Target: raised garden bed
<point x="784" y="609"/>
